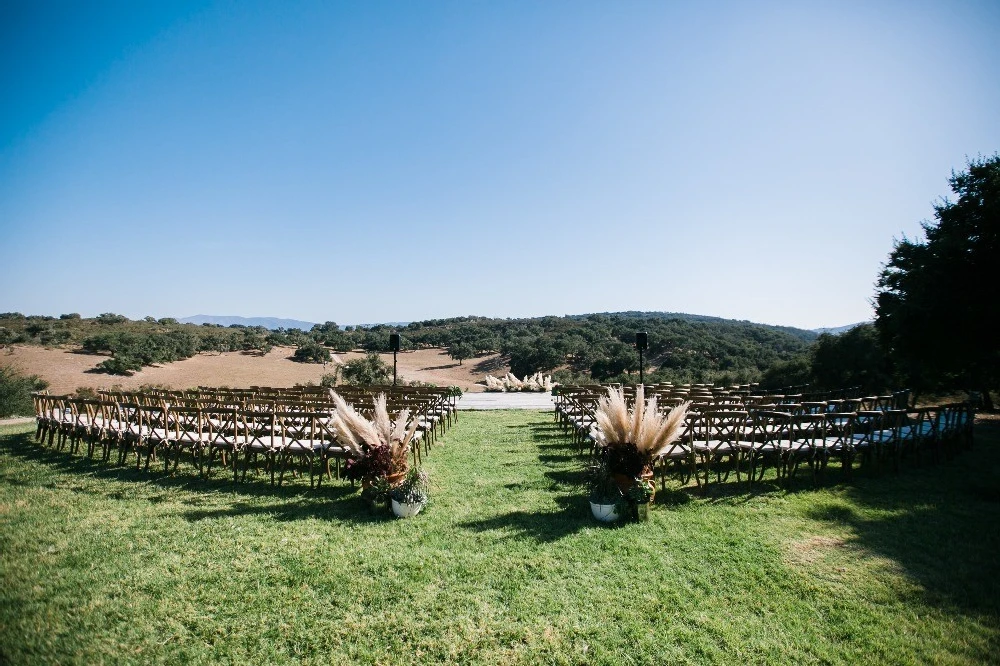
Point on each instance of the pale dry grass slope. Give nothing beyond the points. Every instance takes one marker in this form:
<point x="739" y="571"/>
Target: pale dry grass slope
<point x="67" y="370"/>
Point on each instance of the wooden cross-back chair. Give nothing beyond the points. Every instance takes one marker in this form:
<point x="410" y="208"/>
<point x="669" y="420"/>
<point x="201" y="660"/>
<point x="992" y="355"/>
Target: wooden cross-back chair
<point x="771" y="430"/>
<point x="716" y="439"/>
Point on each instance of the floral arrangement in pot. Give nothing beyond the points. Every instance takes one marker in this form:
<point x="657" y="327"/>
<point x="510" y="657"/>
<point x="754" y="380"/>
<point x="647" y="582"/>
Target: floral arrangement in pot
<point x="378" y="450"/>
<point x="410" y="496"/>
<point x="630" y="440"/>
<point x="607" y="502"/>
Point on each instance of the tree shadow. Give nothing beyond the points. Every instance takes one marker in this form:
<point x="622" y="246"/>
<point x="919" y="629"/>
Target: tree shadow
<point x="554" y="458"/>
<point x="442" y="367"/>
<point x="561" y="446"/>
<point x="79" y="465"/>
<point x="489" y="364"/>
<point x="940" y="525"/>
<point x="553" y="436"/>
<point x="346" y="509"/>
<point x="566" y="477"/>
<point x="572" y="516"/>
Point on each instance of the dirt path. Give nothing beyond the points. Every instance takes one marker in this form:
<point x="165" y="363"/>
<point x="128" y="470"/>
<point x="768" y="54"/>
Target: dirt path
<point x="67" y="370"/>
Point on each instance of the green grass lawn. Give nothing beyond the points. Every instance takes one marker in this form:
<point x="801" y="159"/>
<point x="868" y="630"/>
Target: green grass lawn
<point x="107" y="565"/>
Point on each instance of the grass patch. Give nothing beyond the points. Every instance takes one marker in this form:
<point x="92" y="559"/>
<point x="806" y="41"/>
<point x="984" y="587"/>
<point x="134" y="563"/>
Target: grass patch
<point x="505" y="566"/>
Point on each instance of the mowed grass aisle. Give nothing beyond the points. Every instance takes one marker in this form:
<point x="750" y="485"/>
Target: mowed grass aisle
<point x="101" y="564"/>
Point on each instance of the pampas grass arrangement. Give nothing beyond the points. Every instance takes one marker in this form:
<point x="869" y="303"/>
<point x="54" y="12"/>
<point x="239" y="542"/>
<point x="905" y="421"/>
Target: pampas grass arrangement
<point x="381" y="438"/>
<point x="511" y="383"/>
<point x="630" y="441"/>
<point x="643" y="426"/>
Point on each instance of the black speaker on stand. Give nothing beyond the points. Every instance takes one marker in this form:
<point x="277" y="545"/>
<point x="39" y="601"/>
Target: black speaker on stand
<point x="394" y="346"/>
<point x="642" y="344"/>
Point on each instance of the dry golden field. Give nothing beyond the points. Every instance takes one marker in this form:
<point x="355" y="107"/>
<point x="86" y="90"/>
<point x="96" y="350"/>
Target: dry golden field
<point x="67" y="369"/>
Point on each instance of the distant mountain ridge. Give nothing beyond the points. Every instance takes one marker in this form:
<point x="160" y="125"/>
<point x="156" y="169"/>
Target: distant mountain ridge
<point x="270" y="323"/>
<point x="837" y="330"/>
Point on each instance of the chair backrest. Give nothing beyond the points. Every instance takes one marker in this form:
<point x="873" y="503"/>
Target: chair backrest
<point x="771" y="427"/>
<point x="154" y="421"/>
<point x="259" y="429"/>
<point x="724" y="427"/>
<point x="186" y="425"/>
<point x="867" y="424"/>
<point x="809" y="428"/>
<point x="222" y="426"/>
<point x="295" y="429"/>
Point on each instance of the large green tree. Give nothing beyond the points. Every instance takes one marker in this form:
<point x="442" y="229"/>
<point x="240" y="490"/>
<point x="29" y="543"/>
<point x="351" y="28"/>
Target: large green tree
<point x="936" y="304"/>
<point x="853" y="358"/>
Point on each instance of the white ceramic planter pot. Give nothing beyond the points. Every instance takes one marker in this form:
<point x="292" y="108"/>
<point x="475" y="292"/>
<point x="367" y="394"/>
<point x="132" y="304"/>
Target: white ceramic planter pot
<point x="604" y="512"/>
<point x="406" y="510"/>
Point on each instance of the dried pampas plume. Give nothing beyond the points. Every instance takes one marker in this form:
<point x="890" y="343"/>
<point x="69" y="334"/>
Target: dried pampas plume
<point x="354" y="430"/>
<point x="643" y="425"/>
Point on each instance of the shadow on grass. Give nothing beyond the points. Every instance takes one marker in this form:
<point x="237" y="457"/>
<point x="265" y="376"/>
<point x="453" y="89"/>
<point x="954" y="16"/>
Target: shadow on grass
<point x="555" y="458"/>
<point x="347" y="509"/>
<point x="563" y="440"/>
<point x="940" y="524"/>
<point x="573" y="515"/>
<point x="549" y="427"/>
<point x="186" y="479"/>
<point x="566" y="477"/>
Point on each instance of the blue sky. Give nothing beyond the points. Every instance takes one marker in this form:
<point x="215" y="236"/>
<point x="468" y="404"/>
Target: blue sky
<point x="394" y="161"/>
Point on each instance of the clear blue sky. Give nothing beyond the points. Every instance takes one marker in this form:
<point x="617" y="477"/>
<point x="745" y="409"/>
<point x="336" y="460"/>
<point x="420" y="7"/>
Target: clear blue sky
<point x="394" y="161"/>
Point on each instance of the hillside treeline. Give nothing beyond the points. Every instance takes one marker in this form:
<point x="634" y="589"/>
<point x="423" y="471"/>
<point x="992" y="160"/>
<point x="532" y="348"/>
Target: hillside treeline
<point x="579" y="348"/>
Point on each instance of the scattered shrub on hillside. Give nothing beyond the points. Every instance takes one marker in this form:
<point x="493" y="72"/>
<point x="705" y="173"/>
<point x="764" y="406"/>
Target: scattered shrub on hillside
<point x="330" y="379"/>
<point x="86" y="393"/>
<point x="217" y="341"/>
<point x="531" y="355"/>
<point x="312" y="352"/>
<point x="619" y="359"/>
<point x="146" y="388"/>
<point x="54" y="336"/>
<point x="71" y="315"/>
<point x="16" y="390"/>
<point x="111" y="318"/>
<point x="144" y="349"/>
<point x="566" y="376"/>
<point x="461" y="351"/>
<point x="120" y="365"/>
<point x="35" y="329"/>
<point x="254" y="339"/>
<point x="366" y="371"/>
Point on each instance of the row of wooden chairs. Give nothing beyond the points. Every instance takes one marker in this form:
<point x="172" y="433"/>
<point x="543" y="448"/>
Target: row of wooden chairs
<point x="237" y="430"/>
<point x="747" y="434"/>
